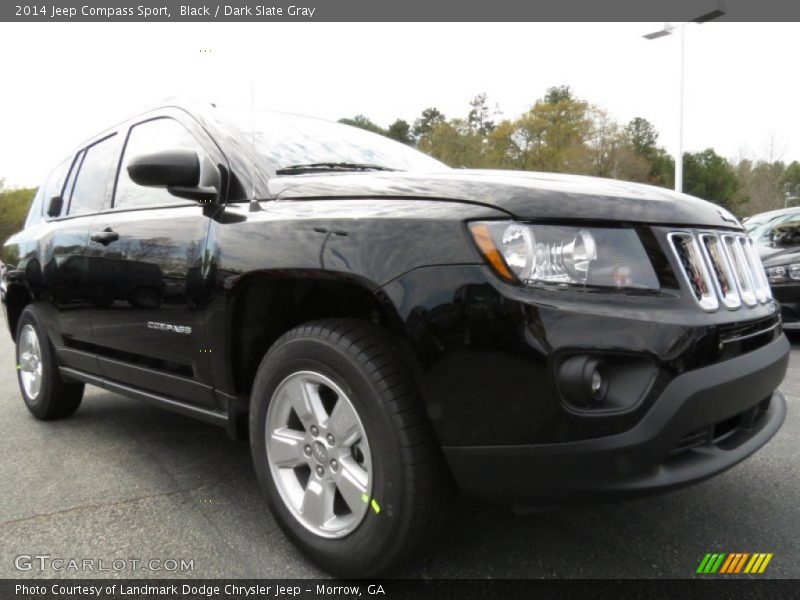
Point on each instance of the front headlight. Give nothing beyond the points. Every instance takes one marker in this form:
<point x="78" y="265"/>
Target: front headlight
<point x="565" y="255"/>
<point x="783" y="273"/>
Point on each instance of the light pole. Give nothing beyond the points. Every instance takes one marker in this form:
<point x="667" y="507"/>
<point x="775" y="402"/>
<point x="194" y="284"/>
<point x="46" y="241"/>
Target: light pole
<point x="668" y="29"/>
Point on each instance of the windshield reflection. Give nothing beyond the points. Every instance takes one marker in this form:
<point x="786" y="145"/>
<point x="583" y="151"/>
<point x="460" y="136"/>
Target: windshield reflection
<point x="285" y="140"/>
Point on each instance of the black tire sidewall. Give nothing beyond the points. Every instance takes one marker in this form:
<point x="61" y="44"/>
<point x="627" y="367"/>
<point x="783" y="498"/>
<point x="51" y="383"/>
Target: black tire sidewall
<point x="39" y="405"/>
<point x="356" y="552"/>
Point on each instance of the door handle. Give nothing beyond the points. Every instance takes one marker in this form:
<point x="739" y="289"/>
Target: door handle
<point x="104" y="237"/>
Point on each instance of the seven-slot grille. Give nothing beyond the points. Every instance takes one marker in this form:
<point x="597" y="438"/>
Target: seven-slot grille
<point x="721" y="268"/>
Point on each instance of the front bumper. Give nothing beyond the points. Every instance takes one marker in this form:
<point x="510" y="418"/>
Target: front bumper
<point x="704" y="422"/>
<point x="788" y="296"/>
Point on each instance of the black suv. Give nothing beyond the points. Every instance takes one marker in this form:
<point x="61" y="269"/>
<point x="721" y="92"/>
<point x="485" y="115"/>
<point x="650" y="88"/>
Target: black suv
<point x="380" y="325"/>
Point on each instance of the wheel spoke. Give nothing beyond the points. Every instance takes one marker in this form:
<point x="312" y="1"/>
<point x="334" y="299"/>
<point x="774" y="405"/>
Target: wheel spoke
<point x="286" y="447"/>
<point x="307" y="403"/>
<point x="352" y="483"/>
<point x="343" y="423"/>
<point x="318" y="502"/>
<point x="25" y="361"/>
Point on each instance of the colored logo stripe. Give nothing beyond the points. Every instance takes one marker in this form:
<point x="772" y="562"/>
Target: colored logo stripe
<point x="711" y="563"/>
<point x="734" y="562"/>
<point x="758" y="563"/>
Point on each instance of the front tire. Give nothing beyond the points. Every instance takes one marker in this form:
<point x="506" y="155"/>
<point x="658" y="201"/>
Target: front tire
<point x="45" y="393"/>
<point x="342" y="448"/>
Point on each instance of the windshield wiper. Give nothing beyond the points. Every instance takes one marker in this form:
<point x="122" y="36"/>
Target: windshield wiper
<point x="330" y="166"/>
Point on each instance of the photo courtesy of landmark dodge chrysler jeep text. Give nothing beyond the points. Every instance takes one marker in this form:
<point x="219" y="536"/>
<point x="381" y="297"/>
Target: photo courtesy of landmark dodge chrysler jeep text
<point x="383" y="327"/>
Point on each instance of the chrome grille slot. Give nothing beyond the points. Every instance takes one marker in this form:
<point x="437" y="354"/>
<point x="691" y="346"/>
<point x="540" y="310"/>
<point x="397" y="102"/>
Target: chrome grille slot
<point x="721" y="269"/>
<point x="763" y="291"/>
<point x="694" y="269"/>
<point x="741" y="268"/>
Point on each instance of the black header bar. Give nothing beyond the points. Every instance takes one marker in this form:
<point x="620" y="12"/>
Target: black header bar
<point x="397" y="10"/>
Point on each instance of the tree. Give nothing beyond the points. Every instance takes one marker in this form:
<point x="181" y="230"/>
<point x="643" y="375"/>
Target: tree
<point x="400" y="130"/>
<point x="792" y="173"/>
<point x="791" y="183"/>
<point x="552" y="135"/>
<point x="643" y="137"/>
<point x="709" y="176"/>
<point x="455" y="144"/>
<point x="612" y="153"/>
<point x="14" y="206"/>
<point x="761" y="185"/>
<point x="363" y="122"/>
<point x="430" y="118"/>
<point x="559" y="93"/>
<point x="478" y="117"/>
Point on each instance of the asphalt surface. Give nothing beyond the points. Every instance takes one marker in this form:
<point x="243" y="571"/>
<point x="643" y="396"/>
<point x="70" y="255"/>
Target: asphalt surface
<point x="122" y="480"/>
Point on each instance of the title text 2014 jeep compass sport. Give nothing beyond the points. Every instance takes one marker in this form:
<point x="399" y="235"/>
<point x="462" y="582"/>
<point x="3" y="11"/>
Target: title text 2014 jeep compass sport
<point x="380" y="324"/>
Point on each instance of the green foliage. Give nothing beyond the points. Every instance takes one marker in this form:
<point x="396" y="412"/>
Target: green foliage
<point x="14" y="205"/>
<point x="363" y="122"/>
<point x="643" y="136"/>
<point x="400" y="130"/>
<point x="556" y="94"/>
<point x="430" y="118"/>
<point x="454" y="143"/>
<point x="792" y="174"/>
<point x="478" y="117"/>
<point x="709" y="176"/>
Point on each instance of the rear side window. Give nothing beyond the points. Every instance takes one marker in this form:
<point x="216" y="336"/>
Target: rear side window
<point x="146" y="138"/>
<point x="89" y="191"/>
<point x="51" y="187"/>
<point x="35" y="211"/>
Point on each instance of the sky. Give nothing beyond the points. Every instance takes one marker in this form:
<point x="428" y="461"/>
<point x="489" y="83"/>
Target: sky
<point x="64" y="82"/>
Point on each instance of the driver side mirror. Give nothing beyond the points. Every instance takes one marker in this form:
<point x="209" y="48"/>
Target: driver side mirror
<point x="181" y="171"/>
<point x="54" y="208"/>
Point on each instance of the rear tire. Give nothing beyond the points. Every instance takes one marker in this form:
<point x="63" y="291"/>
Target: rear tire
<point x="396" y="460"/>
<point x="45" y="393"/>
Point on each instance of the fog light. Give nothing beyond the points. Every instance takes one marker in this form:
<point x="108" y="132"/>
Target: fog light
<point x="582" y="381"/>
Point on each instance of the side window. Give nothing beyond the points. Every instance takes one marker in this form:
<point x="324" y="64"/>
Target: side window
<point x="146" y="138"/>
<point x="51" y="187"/>
<point x="35" y="211"/>
<point x="89" y="191"/>
<point x="70" y="185"/>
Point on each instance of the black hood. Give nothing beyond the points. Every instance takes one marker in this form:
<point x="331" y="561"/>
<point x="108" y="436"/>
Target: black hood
<point x="521" y="194"/>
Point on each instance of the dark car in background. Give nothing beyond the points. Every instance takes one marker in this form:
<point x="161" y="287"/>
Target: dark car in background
<point x="381" y="326"/>
<point x="760" y="227"/>
<point x="780" y="253"/>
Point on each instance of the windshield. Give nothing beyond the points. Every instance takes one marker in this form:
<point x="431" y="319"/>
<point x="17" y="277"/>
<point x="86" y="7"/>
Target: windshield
<point x="286" y="140"/>
<point x="763" y="233"/>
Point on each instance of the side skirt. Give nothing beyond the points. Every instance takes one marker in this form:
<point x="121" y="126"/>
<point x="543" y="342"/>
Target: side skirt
<point x="204" y="414"/>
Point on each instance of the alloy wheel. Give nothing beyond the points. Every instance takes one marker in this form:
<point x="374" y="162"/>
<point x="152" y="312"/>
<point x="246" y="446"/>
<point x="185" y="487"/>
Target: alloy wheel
<point x="318" y="454"/>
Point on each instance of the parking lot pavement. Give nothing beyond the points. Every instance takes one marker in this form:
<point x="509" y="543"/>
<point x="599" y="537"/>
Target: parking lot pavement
<point x="122" y="480"/>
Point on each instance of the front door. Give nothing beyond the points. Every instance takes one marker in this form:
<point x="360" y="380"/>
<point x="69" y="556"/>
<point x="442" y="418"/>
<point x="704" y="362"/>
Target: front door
<point x="147" y="265"/>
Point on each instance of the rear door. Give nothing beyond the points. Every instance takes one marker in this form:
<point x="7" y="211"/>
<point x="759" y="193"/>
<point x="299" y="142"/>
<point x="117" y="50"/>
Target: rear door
<point x="147" y="265"/>
<point x="65" y="263"/>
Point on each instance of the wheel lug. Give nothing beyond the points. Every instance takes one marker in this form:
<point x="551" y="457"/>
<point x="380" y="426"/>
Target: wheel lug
<point x="334" y="465"/>
<point x="307" y="450"/>
<point x="314" y="430"/>
<point x="330" y="439"/>
<point x="320" y="471"/>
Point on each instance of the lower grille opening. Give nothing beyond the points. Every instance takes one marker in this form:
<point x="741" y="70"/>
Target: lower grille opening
<point x="725" y="428"/>
<point x="717" y="434"/>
